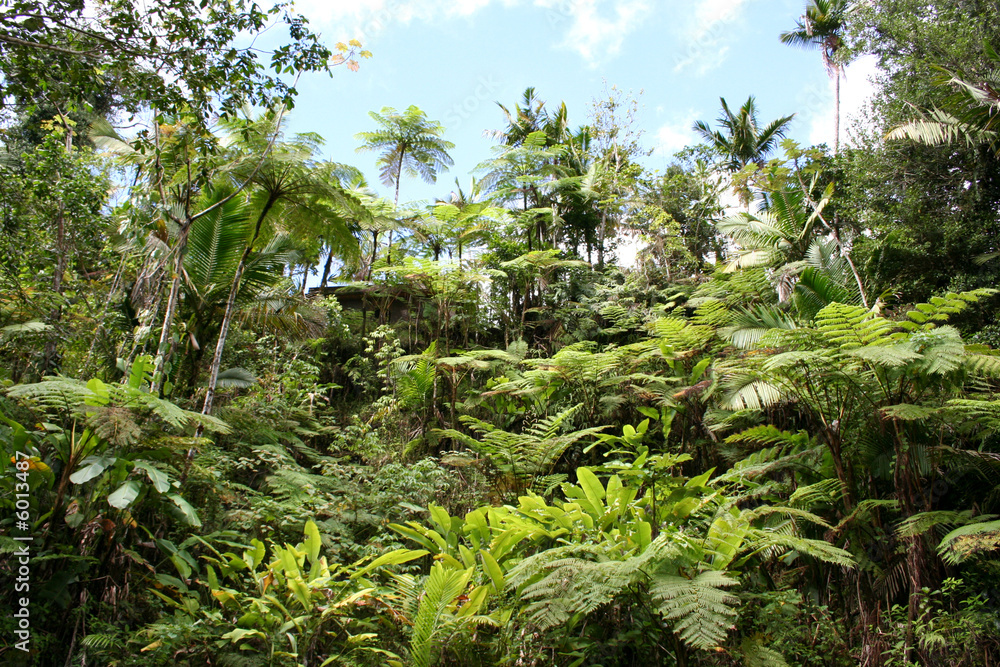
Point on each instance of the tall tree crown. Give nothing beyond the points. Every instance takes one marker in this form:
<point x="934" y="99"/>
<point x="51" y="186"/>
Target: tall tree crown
<point x="409" y="143"/>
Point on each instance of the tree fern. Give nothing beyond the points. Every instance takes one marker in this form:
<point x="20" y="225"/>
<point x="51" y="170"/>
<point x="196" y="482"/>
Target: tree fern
<point x="711" y="312"/>
<point x="939" y="309"/>
<point x="522" y="455"/>
<point x="67" y="395"/>
<point x="579" y="579"/>
<point x="702" y="610"/>
<point x="748" y="325"/>
<point x="755" y="654"/>
<point x="851" y="327"/>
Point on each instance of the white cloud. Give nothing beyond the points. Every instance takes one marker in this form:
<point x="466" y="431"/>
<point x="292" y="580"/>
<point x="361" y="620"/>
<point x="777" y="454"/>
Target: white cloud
<point x="673" y="136"/>
<point x="593" y="28"/>
<point x="817" y="102"/>
<point x="701" y="45"/>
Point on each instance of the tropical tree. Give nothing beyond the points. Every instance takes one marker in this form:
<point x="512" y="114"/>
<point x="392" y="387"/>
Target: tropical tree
<point x="215" y="247"/>
<point x="176" y="56"/>
<point x="409" y="143"/>
<point x="532" y="117"/>
<point x="822" y="26"/>
<point x="518" y="176"/>
<point x="969" y="114"/>
<point x="288" y="183"/>
<point x="890" y="403"/>
<point x="467" y="215"/>
<point x="743" y="140"/>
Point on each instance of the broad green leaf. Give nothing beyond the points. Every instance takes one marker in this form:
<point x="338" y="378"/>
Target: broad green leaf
<point x="159" y="479"/>
<point x="125" y="494"/>
<point x="239" y="634"/>
<point x="189" y="512"/>
<point x="392" y="558"/>
<point x="91" y="467"/>
<point x="301" y="592"/>
<point x="592" y="487"/>
<point x="312" y="541"/>
<point x="700" y="480"/>
<point x="416" y="534"/>
<point x="492" y="568"/>
<point x="477" y="598"/>
<point x="100" y="395"/>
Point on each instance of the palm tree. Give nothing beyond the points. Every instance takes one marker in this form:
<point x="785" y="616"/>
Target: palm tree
<point x="409" y="144"/>
<point x="287" y="183"/>
<point x="215" y="246"/>
<point x="532" y="117"/>
<point x="745" y="141"/>
<point x="821" y="26"/>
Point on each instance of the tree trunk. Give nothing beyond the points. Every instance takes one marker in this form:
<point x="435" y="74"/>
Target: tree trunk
<point x="227" y="319"/>
<point x="836" y="110"/>
<point x="326" y="270"/>
<point x="168" y="315"/>
<point x="395" y="205"/>
<point x="50" y="359"/>
<point x="371" y="264"/>
<point x="600" y="240"/>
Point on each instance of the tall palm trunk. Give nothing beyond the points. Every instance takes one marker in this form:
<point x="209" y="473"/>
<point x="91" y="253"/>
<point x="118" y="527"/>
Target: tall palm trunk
<point x="227" y="319"/>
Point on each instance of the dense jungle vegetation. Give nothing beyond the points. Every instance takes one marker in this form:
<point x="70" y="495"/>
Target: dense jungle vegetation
<point x="770" y="441"/>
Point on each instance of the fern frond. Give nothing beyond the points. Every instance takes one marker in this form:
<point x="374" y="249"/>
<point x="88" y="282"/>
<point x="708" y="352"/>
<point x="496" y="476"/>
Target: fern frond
<point x="703" y="612"/>
<point x="441" y="587"/>
<point x="851" y="327"/>
<point x="925" y="316"/>
<point x="818" y="549"/>
<point x="826" y="492"/>
<point x="755" y="654"/>
<point x="967" y="541"/>
<point x="918" y="524"/>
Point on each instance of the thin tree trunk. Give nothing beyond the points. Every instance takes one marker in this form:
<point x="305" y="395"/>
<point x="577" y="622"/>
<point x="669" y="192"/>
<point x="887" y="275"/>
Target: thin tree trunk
<point x="600" y="240"/>
<point x="185" y="226"/>
<point x="371" y="265"/>
<point x="168" y="314"/>
<point x="524" y="199"/>
<point x="395" y="205"/>
<point x="836" y="110"/>
<point x="227" y="319"/>
<point x="326" y="270"/>
<point x="51" y="350"/>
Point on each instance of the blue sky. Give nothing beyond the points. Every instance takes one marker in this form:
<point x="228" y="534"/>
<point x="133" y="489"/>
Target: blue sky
<point x="456" y="58"/>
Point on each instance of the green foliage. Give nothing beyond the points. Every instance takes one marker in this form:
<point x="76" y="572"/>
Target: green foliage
<point x="526" y="456"/>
